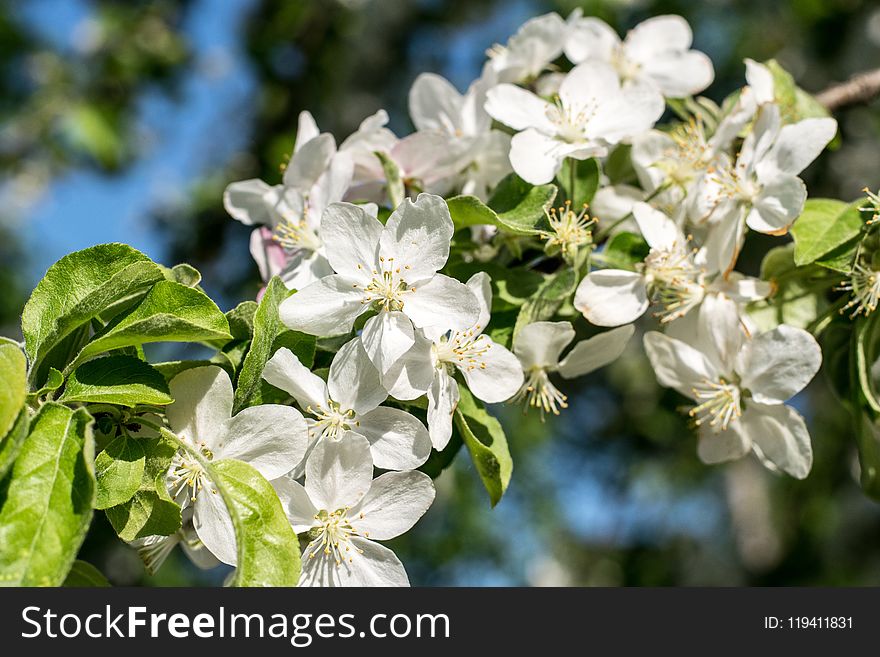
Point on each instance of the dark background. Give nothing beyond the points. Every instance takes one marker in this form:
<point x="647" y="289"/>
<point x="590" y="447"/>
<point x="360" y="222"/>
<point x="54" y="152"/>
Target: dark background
<point x="124" y="122"/>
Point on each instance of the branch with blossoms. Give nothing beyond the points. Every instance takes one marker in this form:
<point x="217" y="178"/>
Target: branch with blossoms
<point x="518" y="239"/>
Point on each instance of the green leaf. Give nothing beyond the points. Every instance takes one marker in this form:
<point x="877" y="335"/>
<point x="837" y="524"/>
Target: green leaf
<point x="268" y="549"/>
<point x="84" y="575"/>
<point x="122" y="380"/>
<point x="183" y="274"/>
<point x="77" y="288"/>
<point x="547" y="300"/>
<point x="170" y="312"/>
<point x="483" y="436"/>
<point x="119" y="470"/>
<point x="793" y="301"/>
<point x="521" y="206"/>
<point x="795" y="104"/>
<point x="624" y="251"/>
<point x="842" y="258"/>
<point x="48" y="504"/>
<point x="151" y="511"/>
<point x="511" y="287"/>
<point x="619" y="167"/>
<point x="266" y="326"/>
<point x="396" y="187"/>
<point x="54" y="380"/>
<point x="172" y="368"/>
<point x="13" y="391"/>
<point x="579" y="180"/>
<point x="470" y="211"/>
<point x="241" y="320"/>
<point x="11" y="443"/>
<point x="824" y="225"/>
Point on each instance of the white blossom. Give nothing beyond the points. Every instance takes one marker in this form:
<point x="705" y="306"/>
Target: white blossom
<point x="391" y="269"/>
<point x="344" y="511"/>
<point x="656" y="51"/>
<point x="539" y="346"/>
<point x="491" y="372"/>
<point x="271" y="438"/>
<point x="591" y="113"/>
<point x="348" y="404"/>
<point x="739" y="384"/>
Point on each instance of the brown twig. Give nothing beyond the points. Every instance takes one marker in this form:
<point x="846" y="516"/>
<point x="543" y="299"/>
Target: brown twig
<point x="860" y="88"/>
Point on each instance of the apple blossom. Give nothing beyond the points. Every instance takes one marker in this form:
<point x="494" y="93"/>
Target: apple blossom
<point x="343" y="511"/>
<point x="539" y="346"/>
<point x="491" y="372"/>
<point x="348" y="404"/>
<point x="656" y="51"/>
<point x="740" y="383"/>
<point x="271" y="438"/>
<point x="391" y="269"/>
<point x="591" y="113"/>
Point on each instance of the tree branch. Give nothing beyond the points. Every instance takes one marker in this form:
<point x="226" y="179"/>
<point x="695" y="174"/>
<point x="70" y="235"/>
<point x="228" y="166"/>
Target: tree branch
<point x="860" y="88"/>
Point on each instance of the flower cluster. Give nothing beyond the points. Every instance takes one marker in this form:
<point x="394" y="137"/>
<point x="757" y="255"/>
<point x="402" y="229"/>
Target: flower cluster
<point x="363" y="236"/>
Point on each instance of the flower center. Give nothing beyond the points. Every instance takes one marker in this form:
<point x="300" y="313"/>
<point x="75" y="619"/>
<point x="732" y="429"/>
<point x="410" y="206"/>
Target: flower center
<point x="464" y="349"/>
<point x="735" y="186"/>
<point x="387" y="289"/>
<point x="673" y="278"/>
<point x="570" y="121"/>
<point x="684" y="161"/>
<point x="331" y="421"/>
<point x="294" y="232"/>
<point x="626" y="68"/>
<point x="334" y="536"/>
<point x="570" y="230"/>
<point x="186" y="472"/>
<point x="864" y="284"/>
<point x="539" y="392"/>
<point x="720" y="403"/>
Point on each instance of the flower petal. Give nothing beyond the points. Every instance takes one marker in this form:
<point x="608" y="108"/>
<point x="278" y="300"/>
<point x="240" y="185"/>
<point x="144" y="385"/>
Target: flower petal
<point x="443" y="397"/>
<point x="595" y="352"/>
<point x="213" y="524"/>
<point x="270" y="437"/>
<point x="309" y="162"/>
<point x="798" y="144"/>
<point x="677" y="364"/>
<point x="339" y="472"/>
<point x="497" y="374"/>
<point x="718" y="445"/>
<point x="434" y="104"/>
<point x="395" y="503"/>
<point x="285" y="371"/>
<point x="591" y="38"/>
<point x="386" y="337"/>
<point x="351" y="238"/>
<point x="679" y="74"/>
<point x="202" y="404"/>
<point x="612" y="297"/>
<point x="780" y="438"/>
<point x="535" y="156"/>
<point x="540" y="344"/>
<point x="443" y="302"/>
<point x="412" y="374"/>
<point x="658" y="34"/>
<point x="398" y="441"/>
<point x="354" y="381"/>
<point x="326" y="307"/>
<point x="368" y="564"/>
<point x="416" y="238"/>
<point x="296" y="503"/>
<point x="659" y="231"/>
<point x="778" y="364"/>
<point x="517" y="108"/>
<point x="778" y="205"/>
<point x="245" y="201"/>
